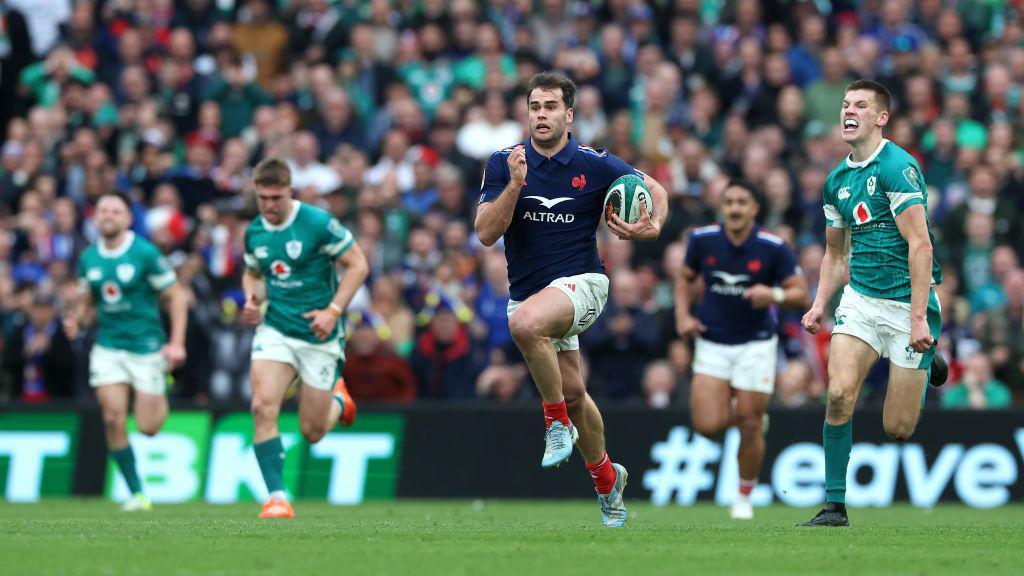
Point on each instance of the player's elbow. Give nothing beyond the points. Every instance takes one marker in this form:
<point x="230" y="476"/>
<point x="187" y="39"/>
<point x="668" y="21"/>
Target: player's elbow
<point x="921" y="247"/>
<point x="487" y="237"/>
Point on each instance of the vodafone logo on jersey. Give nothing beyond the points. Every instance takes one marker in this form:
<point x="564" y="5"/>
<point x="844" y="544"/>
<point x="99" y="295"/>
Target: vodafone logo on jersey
<point x="861" y="213"/>
<point x="111" y="292"/>
<point x="280" y="269"/>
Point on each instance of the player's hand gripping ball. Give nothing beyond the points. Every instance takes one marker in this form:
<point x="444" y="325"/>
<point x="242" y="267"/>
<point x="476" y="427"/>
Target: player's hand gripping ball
<point x="626" y="197"/>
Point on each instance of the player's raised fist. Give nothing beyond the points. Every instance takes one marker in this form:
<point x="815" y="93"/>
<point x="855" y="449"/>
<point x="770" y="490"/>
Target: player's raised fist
<point x="517" y="165"/>
<point x="812" y="319"/>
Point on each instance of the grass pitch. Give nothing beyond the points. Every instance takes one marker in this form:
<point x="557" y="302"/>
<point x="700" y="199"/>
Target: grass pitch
<point x="414" y="538"/>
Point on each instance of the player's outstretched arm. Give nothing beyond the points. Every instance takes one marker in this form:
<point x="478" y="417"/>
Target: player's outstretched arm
<point x="494" y="218"/>
<point x="832" y="275"/>
<point x="687" y="325"/>
<point x="322" y="322"/>
<point x="176" y="301"/>
<point x="913" y="225"/>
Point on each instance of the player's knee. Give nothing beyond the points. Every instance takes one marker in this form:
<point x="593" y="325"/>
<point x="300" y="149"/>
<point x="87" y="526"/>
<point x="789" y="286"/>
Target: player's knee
<point x="312" y="432"/>
<point x="524" y="326"/>
<point x="707" y="426"/>
<point x="575" y="396"/>
<point x="750" y="424"/>
<point x="840" y="401"/>
<point x="264" y="410"/>
<point x="901" y="430"/>
<point x="149" y="428"/>
<point x="115" y="419"/>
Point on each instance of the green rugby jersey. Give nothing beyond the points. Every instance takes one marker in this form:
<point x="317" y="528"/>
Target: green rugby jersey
<point x="296" y="260"/>
<point x="125" y="284"/>
<point x="866" y="197"/>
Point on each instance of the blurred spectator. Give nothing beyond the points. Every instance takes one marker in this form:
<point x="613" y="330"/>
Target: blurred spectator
<point x="307" y="171"/>
<point x="338" y="124"/>
<point x="659" y="384"/>
<point x="36" y="357"/>
<point x="443" y="359"/>
<point x="977" y="389"/>
<point x="797" y="386"/>
<point x="622" y="339"/>
<point x="258" y="32"/>
<point x="488" y="128"/>
<point x="237" y="97"/>
<point x="372" y="369"/>
<point x="501" y="381"/>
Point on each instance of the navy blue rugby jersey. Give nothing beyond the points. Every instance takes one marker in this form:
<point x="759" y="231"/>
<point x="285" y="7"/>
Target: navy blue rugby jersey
<point x="553" y="229"/>
<point x="728" y="270"/>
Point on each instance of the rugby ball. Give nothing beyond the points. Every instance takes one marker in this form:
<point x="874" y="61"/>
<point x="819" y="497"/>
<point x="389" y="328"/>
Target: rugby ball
<point x="626" y="197"/>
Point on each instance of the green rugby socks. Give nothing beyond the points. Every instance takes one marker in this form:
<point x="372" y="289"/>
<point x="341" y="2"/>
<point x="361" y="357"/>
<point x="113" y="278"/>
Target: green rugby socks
<point x="838" y="442"/>
<point x="270" y="455"/>
<point x="125" y="459"/>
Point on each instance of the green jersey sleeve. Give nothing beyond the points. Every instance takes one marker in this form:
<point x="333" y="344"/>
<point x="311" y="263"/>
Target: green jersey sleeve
<point x="248" y="257"/>
<point x="336" y="239"/>
<point x="904" y="185"/>
<point x="833" y="218"/>
<point x="159" y="273"/>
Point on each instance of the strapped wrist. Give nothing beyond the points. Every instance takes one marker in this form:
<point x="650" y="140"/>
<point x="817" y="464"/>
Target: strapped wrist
<point x="335" y="309"/>
<point x="778" y="294"/>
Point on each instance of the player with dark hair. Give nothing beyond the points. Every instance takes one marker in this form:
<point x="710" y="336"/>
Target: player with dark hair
<point x="746" y="272"/>
<point x="874" y="202"/>
<point x="545" y="197"/>
<point x="126" y="277"/>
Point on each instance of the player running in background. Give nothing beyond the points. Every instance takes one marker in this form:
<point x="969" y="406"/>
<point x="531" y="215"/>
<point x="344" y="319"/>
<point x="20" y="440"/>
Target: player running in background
<point x="546" y="197"/>
<point x="126" y="277"/>
<point x="291" y="255"/>
<point x="876" y="200"/>
<point x="746" y="270"/>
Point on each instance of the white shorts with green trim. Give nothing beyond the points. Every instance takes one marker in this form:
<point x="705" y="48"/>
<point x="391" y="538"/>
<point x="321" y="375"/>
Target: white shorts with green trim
<point x="588" y="294"/>
<point x="146" y="373"/>
<point x="885" y="326"/>
<point x="749" y="366"/>
<point x="317" y="364"/>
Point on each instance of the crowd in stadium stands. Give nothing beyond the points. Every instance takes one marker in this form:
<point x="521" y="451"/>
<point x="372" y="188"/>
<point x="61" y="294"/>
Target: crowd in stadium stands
<point x="387" y="110"/>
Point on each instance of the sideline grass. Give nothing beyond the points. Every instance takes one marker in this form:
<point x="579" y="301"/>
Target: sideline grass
<point x="415" y="538"/>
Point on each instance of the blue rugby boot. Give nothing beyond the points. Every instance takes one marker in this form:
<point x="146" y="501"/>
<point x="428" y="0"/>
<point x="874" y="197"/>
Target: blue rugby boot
<point x="558" y="442"/>
<point x="613" y="507"/>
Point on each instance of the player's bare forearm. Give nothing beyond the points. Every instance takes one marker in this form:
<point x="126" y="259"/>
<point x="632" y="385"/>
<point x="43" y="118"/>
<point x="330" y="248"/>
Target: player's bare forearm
<point x="78" y="309"/>
<point x="794" y="292"/>
<point x="252" y="284"/>
<point x="683" y="285"/>
<point x="833" y="264"/>
<point x="177" y="309"/>
<point x="920" y="264"/>
<point x="356" y="270"/>
<point x="660" y="198"/>
<point x="494" y="218"/>
<point x="913" y="226"/>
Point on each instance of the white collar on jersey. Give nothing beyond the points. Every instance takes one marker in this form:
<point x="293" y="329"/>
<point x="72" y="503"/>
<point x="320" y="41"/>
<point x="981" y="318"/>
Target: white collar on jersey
<point x="288" y="222"/>
<point x="852" y="164"/>
<point x="105" y="252"/>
